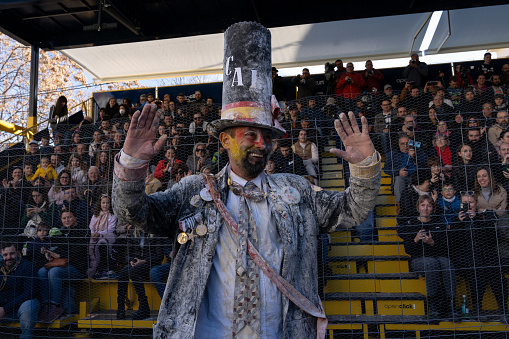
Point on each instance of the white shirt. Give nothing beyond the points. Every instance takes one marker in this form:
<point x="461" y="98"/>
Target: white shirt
<point x="215" y="318"/>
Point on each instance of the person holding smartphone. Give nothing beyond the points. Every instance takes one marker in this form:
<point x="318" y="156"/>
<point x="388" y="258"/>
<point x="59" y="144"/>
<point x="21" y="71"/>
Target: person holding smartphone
<point x="474" y="250"/>
<point x="424" y="238"/>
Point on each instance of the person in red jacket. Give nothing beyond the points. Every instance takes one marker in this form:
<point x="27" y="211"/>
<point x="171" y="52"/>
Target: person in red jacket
<point x="372" y="77"/>
<point x="163" y="169"/>
<point x="350" y="85"/>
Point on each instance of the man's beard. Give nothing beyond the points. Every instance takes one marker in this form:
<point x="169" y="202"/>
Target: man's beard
<point x="253" y="170"/>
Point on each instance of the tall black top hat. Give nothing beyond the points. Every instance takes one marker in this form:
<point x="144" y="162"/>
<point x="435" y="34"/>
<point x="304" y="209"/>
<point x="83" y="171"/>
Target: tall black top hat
<point x="247" y="80"/>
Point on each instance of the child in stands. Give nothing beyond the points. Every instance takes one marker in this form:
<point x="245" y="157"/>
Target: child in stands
<point x="448" y="203"/>
<point x="45" y="170"/>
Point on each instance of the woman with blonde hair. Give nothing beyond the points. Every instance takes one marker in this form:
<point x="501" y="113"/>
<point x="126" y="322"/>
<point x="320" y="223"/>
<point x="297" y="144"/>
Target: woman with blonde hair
<point x="199" y="158"/>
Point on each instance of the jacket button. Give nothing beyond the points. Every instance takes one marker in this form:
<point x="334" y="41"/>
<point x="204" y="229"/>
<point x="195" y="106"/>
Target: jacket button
<point x="169" y="324"/>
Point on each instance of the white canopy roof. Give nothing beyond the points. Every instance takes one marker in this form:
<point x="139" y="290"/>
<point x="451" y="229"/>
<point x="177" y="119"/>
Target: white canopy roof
<point x="311" y="44"/>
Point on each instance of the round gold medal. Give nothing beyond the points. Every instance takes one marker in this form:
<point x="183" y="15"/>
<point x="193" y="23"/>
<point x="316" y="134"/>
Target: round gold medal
<point x="201" y="229"/>
<point x="182" y="238"/>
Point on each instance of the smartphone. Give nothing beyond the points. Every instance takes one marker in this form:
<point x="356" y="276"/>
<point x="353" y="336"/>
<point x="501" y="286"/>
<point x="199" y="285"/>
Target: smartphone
<point x="464" y="207"/>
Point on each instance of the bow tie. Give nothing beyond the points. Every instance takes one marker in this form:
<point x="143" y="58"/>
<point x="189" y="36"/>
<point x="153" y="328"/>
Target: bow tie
<point x="250" y="191"/>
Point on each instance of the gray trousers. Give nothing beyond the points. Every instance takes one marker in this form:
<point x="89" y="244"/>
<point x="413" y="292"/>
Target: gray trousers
<point x="433" y="268"/>
<point x="399" y="185"/>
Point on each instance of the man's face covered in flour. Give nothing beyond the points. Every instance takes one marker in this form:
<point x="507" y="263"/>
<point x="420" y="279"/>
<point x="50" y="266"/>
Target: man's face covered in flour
<point x="248" y="148"/>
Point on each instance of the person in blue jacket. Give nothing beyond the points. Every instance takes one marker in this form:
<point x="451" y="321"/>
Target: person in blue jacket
<point x="18" y="290"/>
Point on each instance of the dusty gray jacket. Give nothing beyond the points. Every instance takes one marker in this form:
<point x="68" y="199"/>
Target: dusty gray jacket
<point x="298" y="226"/>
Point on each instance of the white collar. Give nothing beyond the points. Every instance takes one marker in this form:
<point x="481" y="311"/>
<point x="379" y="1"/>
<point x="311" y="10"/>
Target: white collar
<point x="258" y="181"/>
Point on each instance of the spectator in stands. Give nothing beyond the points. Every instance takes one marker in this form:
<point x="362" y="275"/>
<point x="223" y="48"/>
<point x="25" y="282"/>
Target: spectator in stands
<point x="17" y="296"/>
<point x="56" y="193"/>
<point x="124" y="111"/>
<point x="315" y="115"/>
<point x="118" y="142"/>
<point x="82" y="153"/>
<point x="152" y="184"/>
<point x="350" y="85"/>
<point x="179" y="171"/>
<point x="103" y="116"/>
<point x="419" y="137"/>
<point x="415" y="100"/>
<point x="465" y="80"/>
<point x="438" y="173"/>
<point x="501" y="125"/>
<point x="416" y="71"/>
<point x="164" y="167"/>
<point x="198" y="128"/>
<point x="372" y="77"/>
<point x="502" y="172"/>
<point x="33" y="155"/>
<point x="464" y="172"/>
<point x="488" y="193"/>
<point x="45" y="146"/>
<point x="331" y="110"/>
<point x="270" y="168"/>
<point x="294" y="122"/>
<point x="14" y="195"/>
<point x="387" y="93"/>
<point x="308" y="152"/>
<point x="444" y="111"/>
<point x="94" y="187"/>
<point x="210" y="109"/>
<point x="67" y="243"/>
<point x="181" y="101"/>
<point x="441" y="144"/>
<point x="102" y="237"/>
<point x="420" y="185"/>
<point x="401" y="164"/>
<point x="340" y="70"/>
<point x="499" y="102"/>
<point x="454" y="91"/>
<point x="56" y="163"/>
<point x="469" y="106"/>
<point x="39" y="209"/>
<point x="483" y="152"/>
<point x="424" y="238"/>
<point x="28" y="172"/>
<point x="505" y="75"/>
<point x="34" y="245"/>
<point x="278" y="85"/>
<point x="199" y="158"/>
<point x="58" y="114"/>
<point x="305" y="84"/>
<point x="486" y="68"/>
<point x="286" y="161"/>
<point x="496" y="86"/>
<point x="395" y="103"/>
<point x="475" y="253"/>
<point x="45" y="170"/>
<point x="104" y="163"/>
<point x="94" y="146"/>
<point x="448" y="203"/>
<point x="71" y="201"/>
<point x="78" y="170"/>
<point x="145" y="252"/>
<point x="384" y="123"/>
<point x="480" y="87"/>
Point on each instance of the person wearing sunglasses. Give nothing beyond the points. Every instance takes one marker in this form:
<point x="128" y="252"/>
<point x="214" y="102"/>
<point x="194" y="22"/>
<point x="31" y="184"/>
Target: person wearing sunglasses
<point x="199" y="158"/>
<point x="241" y="209"/>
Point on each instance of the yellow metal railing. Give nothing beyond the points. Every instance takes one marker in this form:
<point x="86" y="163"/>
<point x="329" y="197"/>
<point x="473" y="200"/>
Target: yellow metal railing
<point x="28" y="133"/>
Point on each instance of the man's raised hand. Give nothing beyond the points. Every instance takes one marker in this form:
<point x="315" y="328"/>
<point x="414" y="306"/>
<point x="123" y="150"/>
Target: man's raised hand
<point x="141" y="141"/>
<point x="358" y="145"/>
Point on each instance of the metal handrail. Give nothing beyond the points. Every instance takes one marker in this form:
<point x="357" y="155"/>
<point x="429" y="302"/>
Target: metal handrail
<point x="25" y="133"/>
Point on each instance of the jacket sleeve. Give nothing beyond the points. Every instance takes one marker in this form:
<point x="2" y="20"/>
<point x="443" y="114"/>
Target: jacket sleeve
<point x="422" y="68"/>
<point x="27" y="280"/>
<point x="158" y="173"/>
<point x="350" y="208"/>
<point x="156" y="213"/>
<point x="341" y="82"/>
<point x="378" y="75"/>
<point x="406" y="71"/>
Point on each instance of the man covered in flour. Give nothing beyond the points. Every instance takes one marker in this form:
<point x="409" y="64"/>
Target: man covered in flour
<point x="245" y="236"/>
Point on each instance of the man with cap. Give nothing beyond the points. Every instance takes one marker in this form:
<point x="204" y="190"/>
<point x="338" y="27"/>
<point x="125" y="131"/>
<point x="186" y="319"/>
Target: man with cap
<point x="246" y="265"/>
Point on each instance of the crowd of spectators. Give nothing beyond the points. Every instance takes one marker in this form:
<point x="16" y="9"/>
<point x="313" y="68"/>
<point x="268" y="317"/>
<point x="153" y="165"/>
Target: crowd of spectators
<point x="445" y="145"/>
